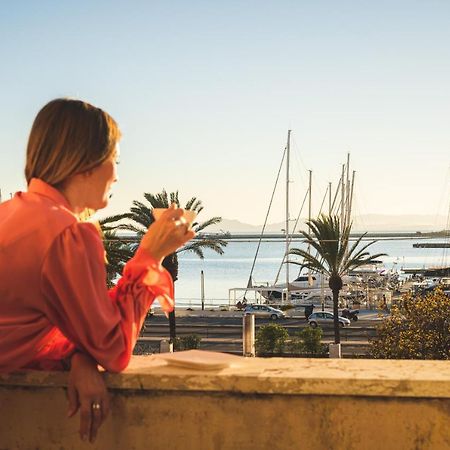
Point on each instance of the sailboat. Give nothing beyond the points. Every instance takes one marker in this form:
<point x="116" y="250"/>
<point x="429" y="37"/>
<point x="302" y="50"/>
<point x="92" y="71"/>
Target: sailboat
<point x="305" y="288"/>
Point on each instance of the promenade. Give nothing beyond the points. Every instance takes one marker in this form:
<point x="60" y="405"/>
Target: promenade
<point x="222" y="330"/>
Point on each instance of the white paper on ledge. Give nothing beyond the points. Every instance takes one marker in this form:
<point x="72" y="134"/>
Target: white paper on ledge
<point x="200" y="359"/>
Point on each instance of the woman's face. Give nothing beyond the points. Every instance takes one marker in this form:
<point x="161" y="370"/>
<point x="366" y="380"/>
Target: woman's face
<point x="99" y="182"/>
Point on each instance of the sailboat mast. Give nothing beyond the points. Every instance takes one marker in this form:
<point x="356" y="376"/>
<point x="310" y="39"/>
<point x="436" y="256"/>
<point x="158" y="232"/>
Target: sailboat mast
<point x="309" y="212"/>
<point x="309" y="198"/>
<point x="343" y="198"/>
<point x="288" y="154"/>
<point x="351" y="198"/>
<point x="329" y="199"/>
<point x="347" y="194"/>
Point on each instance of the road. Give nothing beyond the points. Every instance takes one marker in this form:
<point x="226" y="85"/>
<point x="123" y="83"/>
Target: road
<point x="224" y="333"/>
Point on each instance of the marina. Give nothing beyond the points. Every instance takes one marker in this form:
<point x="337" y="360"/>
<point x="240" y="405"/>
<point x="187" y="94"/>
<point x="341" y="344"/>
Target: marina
<point x="366" y="282"/>
<point x="232" y="269"/>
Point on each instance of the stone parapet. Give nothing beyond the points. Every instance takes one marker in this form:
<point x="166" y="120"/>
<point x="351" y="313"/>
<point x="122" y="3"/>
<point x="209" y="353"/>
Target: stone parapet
<point x="257" y="403"/>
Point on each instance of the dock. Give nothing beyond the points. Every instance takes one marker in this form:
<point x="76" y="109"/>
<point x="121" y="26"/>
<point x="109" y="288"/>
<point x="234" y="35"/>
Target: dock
<point x="432" y="245"/>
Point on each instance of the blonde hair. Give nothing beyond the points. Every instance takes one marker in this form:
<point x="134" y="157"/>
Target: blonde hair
<point x="69" y="137"/>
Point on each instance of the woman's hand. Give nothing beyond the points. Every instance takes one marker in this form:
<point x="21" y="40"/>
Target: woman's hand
<point x="167" y="234"/>
<point x="87" y="392"/>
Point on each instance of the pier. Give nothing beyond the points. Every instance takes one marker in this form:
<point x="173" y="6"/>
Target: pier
<point x="297" y="237"/>
<point x="432" y="245"/>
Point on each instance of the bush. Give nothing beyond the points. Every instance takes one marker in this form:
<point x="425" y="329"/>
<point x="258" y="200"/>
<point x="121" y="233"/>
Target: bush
<point x="144" y="348"/>
<point x="189" y="342"/>
<point x="271" y="339"/>
<point x="308" y="342"/>
<point x="418" y="328"/>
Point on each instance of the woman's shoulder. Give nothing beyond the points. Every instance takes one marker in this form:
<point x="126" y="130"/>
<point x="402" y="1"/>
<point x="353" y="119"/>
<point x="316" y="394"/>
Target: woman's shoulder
<point x="84" y="230"/>
<point x="36" y="218"/>
<point x="76" y="240"/>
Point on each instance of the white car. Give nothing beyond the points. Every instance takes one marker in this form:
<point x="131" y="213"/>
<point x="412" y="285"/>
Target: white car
<point x="264" y="311"/>
<point x="326" y="318"/>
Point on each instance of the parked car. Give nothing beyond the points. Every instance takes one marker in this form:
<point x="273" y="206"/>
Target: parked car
<point x="264" y="311"/>
<point x="326" y="318"/>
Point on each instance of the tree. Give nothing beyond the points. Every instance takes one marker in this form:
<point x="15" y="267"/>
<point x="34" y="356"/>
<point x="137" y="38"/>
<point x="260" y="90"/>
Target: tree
<point x="117" y="255"/>
<point x="140" y="218"/>
<point x="333" y="255"/>
<point x="418" y="328"/>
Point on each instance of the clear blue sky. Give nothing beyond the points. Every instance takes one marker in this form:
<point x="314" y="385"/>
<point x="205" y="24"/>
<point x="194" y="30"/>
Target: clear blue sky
<point x="204" y="92"/>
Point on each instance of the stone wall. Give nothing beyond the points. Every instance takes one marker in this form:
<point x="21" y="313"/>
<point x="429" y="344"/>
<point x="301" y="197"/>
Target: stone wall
<point x="256" y="404"/>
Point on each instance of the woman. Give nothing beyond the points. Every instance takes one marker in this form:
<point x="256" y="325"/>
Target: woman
<point x="55" y="309"/>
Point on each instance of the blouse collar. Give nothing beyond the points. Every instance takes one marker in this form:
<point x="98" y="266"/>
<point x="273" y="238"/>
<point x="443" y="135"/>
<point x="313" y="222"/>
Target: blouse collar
<point x="37" y="186"/>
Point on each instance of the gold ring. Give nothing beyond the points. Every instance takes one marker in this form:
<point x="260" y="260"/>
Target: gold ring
<point x="96" y="406"/>
<point x="180" y="222"/>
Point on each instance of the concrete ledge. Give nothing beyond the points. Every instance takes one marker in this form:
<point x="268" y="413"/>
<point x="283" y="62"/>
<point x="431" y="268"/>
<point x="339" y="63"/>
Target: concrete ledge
<point x="260" y="403"/>
<point x="283" y="376"/>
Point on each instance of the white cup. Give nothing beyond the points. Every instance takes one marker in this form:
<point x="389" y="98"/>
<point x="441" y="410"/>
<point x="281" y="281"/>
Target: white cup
<point x="188" y="215"/>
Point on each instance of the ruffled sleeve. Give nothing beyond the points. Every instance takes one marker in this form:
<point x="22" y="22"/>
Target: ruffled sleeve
<point x="103" y="323"/>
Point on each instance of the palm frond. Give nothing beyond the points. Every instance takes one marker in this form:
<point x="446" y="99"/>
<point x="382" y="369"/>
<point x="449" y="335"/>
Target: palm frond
<point x="160" y="200"/>
<point x="140" y="231"/>
<point x="362" y="260"/>
<point x="194" y="249"/>
<point x="356" y="244"/>
<point x="197" y="206"/>
<point x="112" y="219"/>
<point x="309" y="261"/>
<point x="356" y="254"/>
<point x="117" y="254"/>
<point x="141" y="215"/>
<point x="319" y="244"/>
<point x="174" y="198"/>
<point x="192" y="203"/>
<point x="213" y="221"/>
<point x="214" y="244"/>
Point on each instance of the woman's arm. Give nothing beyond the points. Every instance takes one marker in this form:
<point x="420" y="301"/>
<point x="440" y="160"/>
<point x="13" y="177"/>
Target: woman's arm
<point x="100" y="323"/>
<point x="87" y="392"/>
<point x="106" y="324"/>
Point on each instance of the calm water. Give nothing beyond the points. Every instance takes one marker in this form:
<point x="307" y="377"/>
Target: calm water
<point x="233" y="268"/>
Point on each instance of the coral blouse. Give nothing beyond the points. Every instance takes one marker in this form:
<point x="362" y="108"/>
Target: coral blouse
<point x="53" y="295"/>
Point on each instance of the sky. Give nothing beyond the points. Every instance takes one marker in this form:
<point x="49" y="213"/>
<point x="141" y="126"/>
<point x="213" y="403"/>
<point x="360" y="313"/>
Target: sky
<point x="205" y="91"/>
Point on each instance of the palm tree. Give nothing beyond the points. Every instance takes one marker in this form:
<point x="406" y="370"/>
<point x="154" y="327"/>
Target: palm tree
<point x="117" y="252"/>
<point x="333" y="255"/>
<point x="117" y="255"/>
<point x="140" y="218"/>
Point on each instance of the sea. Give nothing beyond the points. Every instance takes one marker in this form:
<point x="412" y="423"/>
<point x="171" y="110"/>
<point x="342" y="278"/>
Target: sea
<point x="233" y="268"/>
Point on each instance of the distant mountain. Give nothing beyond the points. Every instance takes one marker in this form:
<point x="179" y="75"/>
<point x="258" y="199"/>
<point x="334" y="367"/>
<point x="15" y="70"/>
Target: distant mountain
<point x="410" y="222"/>
<point x="368" y="222"/>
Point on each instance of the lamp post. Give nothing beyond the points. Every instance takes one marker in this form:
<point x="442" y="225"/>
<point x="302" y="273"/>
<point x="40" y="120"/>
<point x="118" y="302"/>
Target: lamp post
<point x="202" y="289"/>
